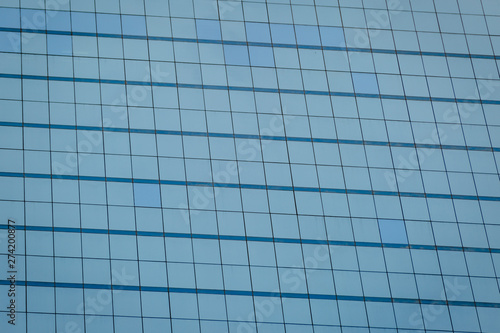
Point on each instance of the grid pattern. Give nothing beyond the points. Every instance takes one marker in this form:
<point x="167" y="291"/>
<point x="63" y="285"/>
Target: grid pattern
<point x="250" y="166"/>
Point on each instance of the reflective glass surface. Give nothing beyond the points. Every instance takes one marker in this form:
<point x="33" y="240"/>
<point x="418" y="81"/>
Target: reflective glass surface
<point x="249" y="166"/>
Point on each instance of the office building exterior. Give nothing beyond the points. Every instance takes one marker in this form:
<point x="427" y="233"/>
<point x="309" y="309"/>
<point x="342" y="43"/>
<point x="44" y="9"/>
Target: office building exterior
<point x="249" y="166"/>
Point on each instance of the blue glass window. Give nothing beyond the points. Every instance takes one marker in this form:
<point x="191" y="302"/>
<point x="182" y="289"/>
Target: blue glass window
<point x="236" y="54"/>
<point x="10" y="41"/>
<point x="365" y="83"/>
<point x="261" y="56"/>
<point x="134" y="25"/>
<point x="9" y="17"/>
<point x="318" y="213"/>
<point x="332" y="36"/>
<point x="109" y="24"/>
<point x="59" y="45"/>
<point x="147" y="195"/>
<point x="258" y="32"/>
<point x="32" y="19"/>
<point x="59" y="21"/>
<point x="208" y="29"/>
<point x="283" y="33"/>
<point x="307" y="35"/>
<point x="393" y="231"/>
<point x="83" y="22"/>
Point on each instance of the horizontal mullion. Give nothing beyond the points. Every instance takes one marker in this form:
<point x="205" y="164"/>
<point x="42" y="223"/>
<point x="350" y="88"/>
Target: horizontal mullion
<point x="250" y="293"/>
<point x="252" y="89"/>
<point x="250" y="136"/>
<point x="250" y="186"/>
<point x="214" y="41"/>
<point x="253" y="239"/>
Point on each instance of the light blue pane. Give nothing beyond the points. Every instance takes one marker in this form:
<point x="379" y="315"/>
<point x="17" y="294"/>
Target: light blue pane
<point x="208" y="29"/>
<point x="283" y="33"/>
<point x="332" y="36"/>
<point x="134" y="25"/>
<point x="59" y="45"/>
<point x="365" y="83"/>
<point x="156" y="325"/>
<point x="258" y="32"/>
<point x="41" y="320"/>
<point x="236" y="54"/>
<point x="307" y="35"/>
<point x="32" y="19"/>
<point x="10" y="41"/>
<point x="59" y="21"/>
<point x="393" y="231"/>
<point x="109" y="24"/>
<point x="83" y="22"/>
<point x="147" y="195"/>
<point x="261" y="56"/>
<point x="9" y="17"/>
<point x="179" y="325"/>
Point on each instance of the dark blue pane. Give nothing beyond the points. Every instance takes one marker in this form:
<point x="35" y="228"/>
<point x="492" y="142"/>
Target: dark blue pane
<point x="261" y="56"/>
<point x="365" y="83"/>
<point x="208" y="29"/>
<point x="9" y="17"/>
<point x="59" y="21"/>
<point x="307" y="35"/>
<point x="10" y="41"/>
<point x="147" y="195"/>
<point x="393" y="231"/>
<point x="134" y="25"/>
<point x="59" y="45"/>
<point x="109" y="24"/>
<point x="32" y="19"/>
<point x="283" y="33"/>
<point x="236" y="55"/>
<point x="332" y="36"/>
<point x="83" y="22"/>
<point x="258" y="32"/>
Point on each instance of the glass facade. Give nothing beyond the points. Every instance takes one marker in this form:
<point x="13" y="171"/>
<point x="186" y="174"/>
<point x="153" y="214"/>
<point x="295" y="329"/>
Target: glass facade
<point x="249" y="166"/>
